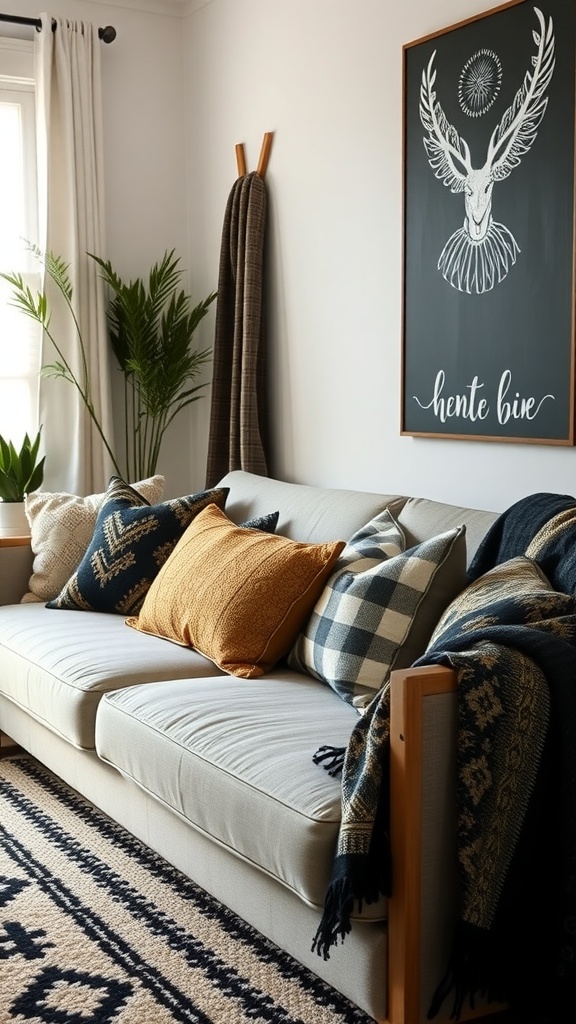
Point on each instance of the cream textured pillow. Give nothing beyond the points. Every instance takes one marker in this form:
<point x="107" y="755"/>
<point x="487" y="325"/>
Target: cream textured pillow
<point x="238" y="596"/>
<point x="61" y="526"/>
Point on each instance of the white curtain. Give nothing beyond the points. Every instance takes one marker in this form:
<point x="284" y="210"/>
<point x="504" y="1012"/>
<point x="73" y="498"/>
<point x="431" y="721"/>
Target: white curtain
<point x="71" y="222"/>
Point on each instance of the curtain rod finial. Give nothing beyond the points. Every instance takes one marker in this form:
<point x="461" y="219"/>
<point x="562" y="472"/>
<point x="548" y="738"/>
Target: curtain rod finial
<point x="107" y="34"/>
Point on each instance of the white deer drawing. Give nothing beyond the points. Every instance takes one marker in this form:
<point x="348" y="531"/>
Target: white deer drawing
<point x="479" y="255"/>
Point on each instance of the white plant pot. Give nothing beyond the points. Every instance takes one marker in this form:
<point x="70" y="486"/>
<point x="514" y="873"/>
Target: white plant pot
<point x="13" y="522"/>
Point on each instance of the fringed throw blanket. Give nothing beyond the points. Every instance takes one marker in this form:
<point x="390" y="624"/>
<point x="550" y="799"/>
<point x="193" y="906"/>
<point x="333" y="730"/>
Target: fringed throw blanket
<point x="512" y="642"/>
<point x="511" y="638"/>
<point x="361" y="869"/>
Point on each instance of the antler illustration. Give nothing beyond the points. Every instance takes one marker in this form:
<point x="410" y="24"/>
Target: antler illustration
<point x="513" y="137"/>
<point x="445" y="149"/>
<point x="479" y="255"/>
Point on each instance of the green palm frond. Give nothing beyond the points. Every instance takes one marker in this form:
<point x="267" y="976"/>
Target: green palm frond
<point x="33" y="304"/>
<point x="55" y="267"/>
<point x="55" y="370"/>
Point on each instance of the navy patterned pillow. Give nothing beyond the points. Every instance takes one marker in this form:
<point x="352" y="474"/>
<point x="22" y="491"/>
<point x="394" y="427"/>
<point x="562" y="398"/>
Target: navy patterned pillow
<point x="266" y="524"/>
<point x="131" y="541"/>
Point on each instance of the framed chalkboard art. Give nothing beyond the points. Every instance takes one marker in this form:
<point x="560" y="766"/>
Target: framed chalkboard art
<point x="488" y="276"/>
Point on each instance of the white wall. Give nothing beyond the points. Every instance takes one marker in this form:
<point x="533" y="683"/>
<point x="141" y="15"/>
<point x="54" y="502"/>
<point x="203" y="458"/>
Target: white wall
<point x="325" y="76"/>
<point x="185" y="81"/>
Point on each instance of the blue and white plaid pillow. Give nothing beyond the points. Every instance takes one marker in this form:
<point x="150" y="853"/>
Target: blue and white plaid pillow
<point x="379" y="607"/>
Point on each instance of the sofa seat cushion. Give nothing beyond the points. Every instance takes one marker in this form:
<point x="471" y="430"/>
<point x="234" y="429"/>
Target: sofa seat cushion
<point x="234" y="758"/>
<point x="57" y="665"/>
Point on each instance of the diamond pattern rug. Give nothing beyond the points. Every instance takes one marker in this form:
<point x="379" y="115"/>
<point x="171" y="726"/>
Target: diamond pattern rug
<point x="97" y="929"/>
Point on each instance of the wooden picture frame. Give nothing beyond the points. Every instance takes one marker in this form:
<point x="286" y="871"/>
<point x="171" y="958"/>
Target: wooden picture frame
<point x="488" y="247"/>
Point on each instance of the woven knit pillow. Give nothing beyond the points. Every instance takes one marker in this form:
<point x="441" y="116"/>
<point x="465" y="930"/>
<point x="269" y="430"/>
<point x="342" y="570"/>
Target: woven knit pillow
<point x="238" y="596"/>
<point x="61" y="528"/>
<point x="379" y="607"/>
<point x="131" y="542"/>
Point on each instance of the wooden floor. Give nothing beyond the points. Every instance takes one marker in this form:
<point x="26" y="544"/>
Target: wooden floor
<point x="7" y="746"/>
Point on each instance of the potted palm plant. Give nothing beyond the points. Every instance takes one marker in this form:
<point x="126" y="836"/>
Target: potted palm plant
<point x="21" y="472"/>
<point x="152" y="324"/>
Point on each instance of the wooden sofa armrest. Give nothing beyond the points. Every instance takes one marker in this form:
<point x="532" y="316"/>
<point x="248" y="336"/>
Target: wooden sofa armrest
<point x="423" y="909"/>
<point x="410" y="696"/>
<point x="15" y="568"/>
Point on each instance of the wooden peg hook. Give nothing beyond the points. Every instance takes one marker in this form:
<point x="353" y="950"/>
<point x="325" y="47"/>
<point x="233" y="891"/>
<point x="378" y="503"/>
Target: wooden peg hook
<point x="263" y="160"/>
<point x="264" y="154"/>
<point x="240" y="160"/>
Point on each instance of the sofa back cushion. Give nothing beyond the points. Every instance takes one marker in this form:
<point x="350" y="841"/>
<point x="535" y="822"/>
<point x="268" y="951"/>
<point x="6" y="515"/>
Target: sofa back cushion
<point x="319" y="514"/>
<point x="313" y="514"/>
<point x="421" y="518"/>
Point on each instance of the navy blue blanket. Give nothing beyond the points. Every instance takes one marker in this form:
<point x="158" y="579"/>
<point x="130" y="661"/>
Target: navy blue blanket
<point x="525" y="953"/>
<point x="512" y="532"/>
<point x="514" y="652"/>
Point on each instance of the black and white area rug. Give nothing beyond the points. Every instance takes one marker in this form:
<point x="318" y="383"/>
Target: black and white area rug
<point x="96" y="929"/>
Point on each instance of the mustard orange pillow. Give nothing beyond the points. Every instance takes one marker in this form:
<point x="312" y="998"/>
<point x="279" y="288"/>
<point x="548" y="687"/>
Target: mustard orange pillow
<point x="238" y="596"/>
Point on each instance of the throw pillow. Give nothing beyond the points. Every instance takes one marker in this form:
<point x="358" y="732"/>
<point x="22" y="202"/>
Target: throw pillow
<point x="131" y="542"/>
<point x="238" y="596"/>
<point x="61" y="527"/>
<point x="513" y="593"/>
<point x="267" y="523"/>
<point x="379" y="607"/>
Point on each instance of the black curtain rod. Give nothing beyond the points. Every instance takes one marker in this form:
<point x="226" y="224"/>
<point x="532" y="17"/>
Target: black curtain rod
<point x="107" y="34"/>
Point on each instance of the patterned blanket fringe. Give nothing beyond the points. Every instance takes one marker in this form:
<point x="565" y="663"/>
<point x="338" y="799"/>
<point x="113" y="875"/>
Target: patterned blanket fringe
<point x="335" y="923"/>
<point x="356" y="880"/>
<point x="334" y="758"/>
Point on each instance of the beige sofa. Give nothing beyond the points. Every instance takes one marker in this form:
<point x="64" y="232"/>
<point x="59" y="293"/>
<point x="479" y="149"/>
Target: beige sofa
<point x="215" y="773"/>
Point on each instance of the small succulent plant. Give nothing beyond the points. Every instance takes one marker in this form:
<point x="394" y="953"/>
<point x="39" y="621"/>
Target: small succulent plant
<point x="20" y="471"/>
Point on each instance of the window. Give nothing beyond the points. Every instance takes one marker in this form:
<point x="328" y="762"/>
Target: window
<point x="19" y="335"/>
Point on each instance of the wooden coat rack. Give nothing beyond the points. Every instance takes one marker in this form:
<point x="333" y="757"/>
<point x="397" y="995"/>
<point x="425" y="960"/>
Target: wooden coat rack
<point x="262" y="162"/>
